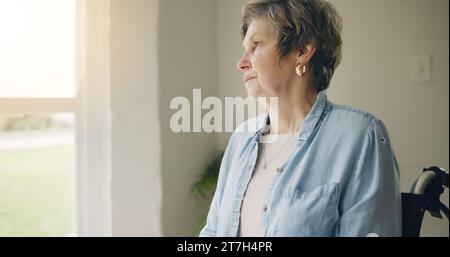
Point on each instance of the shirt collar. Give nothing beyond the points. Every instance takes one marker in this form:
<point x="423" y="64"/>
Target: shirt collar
<point x="308" y="125"/>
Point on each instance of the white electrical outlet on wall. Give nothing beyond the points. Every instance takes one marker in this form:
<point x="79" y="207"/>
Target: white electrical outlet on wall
<point x="420" y="68"/>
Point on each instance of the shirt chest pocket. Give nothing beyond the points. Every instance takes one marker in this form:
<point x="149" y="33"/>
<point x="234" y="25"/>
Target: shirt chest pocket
<point x="309" y="213"/>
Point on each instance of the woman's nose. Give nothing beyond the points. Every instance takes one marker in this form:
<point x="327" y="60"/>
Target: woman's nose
<point x="243" y="63"/>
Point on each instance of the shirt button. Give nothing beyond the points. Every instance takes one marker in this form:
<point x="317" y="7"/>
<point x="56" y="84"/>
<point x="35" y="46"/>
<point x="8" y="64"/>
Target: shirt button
<point x="264" y="208"/>
<point x="279" y="170"/>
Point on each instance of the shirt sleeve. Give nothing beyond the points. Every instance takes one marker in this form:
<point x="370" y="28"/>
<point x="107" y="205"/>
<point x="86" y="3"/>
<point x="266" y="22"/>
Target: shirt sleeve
<point x="210" y="228"/>
<point x="371" y="203"/>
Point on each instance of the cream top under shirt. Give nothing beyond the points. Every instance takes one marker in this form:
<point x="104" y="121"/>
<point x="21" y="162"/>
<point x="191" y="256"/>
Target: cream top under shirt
<point x="274" y="152"/>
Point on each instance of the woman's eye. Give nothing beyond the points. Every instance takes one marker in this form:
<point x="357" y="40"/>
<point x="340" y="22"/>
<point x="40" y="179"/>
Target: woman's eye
<point x="256" y="44"/>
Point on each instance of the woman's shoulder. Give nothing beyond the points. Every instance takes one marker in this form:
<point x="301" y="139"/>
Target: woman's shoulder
<point x="352" y="120"/>
<point x="349" y="113"/>
<point x="346" y="114"/>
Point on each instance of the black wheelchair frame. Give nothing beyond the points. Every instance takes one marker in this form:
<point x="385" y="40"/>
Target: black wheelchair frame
<point x="424" y="196"/>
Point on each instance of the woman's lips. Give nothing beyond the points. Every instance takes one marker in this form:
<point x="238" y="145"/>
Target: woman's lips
<point x="246" y="79"/>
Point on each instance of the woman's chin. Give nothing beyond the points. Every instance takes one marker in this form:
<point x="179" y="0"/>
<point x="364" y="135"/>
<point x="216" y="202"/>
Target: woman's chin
<point x="253" y="94"/>
<point x="253" y="91"/>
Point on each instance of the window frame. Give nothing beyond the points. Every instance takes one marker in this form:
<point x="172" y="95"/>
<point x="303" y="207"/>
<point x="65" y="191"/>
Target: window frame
<point x="91" y="108"/>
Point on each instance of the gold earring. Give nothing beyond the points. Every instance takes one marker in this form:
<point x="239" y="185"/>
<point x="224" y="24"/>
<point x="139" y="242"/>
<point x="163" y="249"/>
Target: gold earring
<point x="299" y="71"/>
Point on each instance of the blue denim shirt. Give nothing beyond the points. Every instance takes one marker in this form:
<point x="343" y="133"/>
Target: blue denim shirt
<point x="342" y="178"/>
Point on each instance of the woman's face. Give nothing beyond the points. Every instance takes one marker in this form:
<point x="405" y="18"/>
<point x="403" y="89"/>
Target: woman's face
<point x="263" y="73"/>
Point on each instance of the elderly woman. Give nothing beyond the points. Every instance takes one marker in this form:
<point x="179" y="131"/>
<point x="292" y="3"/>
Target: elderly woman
<point x="331" y="170"/>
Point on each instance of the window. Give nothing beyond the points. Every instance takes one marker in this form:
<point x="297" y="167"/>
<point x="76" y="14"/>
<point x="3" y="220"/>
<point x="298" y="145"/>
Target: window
<point x="37" y="160"/>
<point x="38" y="48"/>
<point x="38" y="96"/>
<point x="54" y="118"/>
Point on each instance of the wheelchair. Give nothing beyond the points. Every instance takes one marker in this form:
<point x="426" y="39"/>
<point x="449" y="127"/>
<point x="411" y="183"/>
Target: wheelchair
<point x="424" y="196"/>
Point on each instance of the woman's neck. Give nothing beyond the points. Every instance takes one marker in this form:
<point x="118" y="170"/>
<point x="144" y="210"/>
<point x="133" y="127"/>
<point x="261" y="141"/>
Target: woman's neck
<point x="291" y="111"/>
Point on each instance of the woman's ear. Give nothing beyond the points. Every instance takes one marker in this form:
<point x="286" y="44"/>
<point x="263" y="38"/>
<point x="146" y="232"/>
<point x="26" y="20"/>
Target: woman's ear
<point x="305" y="56"/>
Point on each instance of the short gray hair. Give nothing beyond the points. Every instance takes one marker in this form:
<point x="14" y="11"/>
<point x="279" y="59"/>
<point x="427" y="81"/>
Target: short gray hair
<point x="298" y="23"/>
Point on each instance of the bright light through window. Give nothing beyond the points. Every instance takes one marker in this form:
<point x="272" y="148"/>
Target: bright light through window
<point x="37" y="48"/>
<point x="37" y="160"/>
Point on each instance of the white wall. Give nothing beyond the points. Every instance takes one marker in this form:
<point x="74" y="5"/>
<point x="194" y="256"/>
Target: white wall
<point x="136" y="136"/>
<point x="230" y="49"/>
<point x="187" y="60"/>
<point x="379" y="38"/>
<point x="159" y="50"/>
